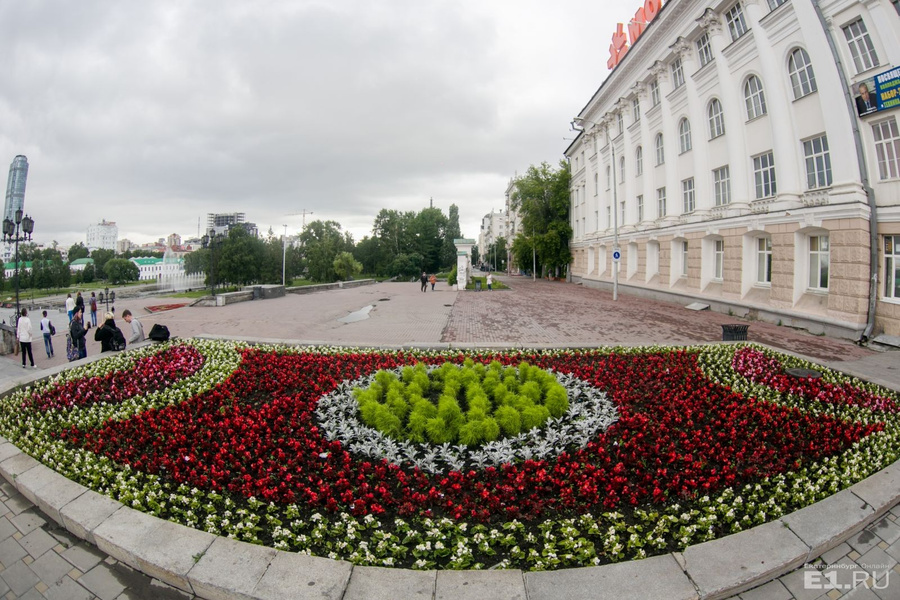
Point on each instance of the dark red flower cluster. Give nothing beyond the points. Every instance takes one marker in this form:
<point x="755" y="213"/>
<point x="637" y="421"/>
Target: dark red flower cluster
<point x="767" y="371"/>
<point x="149" y="374"/>
<point x="679" y="435"/>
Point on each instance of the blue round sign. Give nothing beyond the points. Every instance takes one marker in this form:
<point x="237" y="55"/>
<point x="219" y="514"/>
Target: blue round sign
<point x="617" y="255"/>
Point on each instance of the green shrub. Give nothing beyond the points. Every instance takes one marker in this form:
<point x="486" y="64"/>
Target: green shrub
<point x="557" y="402"/>
<point x="438" y="432"/>
<point x="509" y="420"/>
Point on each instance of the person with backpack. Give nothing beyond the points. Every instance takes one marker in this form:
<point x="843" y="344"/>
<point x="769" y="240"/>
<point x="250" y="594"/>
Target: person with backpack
<point x="77" y="334"/>
<point x="109" y="336"/>
<point x="93" y="308"/>
<point x="49" y="331"/>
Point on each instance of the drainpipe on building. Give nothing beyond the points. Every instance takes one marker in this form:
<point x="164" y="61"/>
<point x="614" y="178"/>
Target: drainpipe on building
<point x="863" y="175"/>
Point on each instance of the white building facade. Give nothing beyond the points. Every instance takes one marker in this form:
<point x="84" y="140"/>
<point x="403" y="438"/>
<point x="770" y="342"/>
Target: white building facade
<point x="493" y="226"/>
<point x="727" y="154"/>
<point x="104" y="234"/>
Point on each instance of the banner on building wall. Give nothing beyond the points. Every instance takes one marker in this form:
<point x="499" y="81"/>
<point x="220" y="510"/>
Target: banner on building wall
<point x="878" y="93"/>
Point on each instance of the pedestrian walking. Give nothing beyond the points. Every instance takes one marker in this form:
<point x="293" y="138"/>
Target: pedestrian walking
<point x="137" y="330"/>
<point x="93" y="305"/>
<point x="70" y="306"/>
<point x="48" y="330"/>
<point x="424" y="279"/>
<point x="432" y="280"/>
<point x="23" y="332"/>
<point x="490" y="281"/>
<point x="79" y="301"/>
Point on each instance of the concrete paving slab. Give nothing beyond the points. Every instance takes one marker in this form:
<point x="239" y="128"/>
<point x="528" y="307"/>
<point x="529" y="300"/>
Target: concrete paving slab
<point x="229" y="570"/>
<point x="103" y="581"/>
<point x="11" y="552"/>
<point x="57" y="493"/>
<point x="741" y="561"/>
<point x="17" y="503"/>
<point x="170" y="551"/>
<point x="15" y="465"/>
<point x="6" y="528"/>
<point x="67" y="589"/>
<point x="773" y="590"/>
<point x="876" y="562"/>
<point x="378" y="583"/>
<point x="86" y="512"/>
<point x="881" y="489"/>
<point x="825" y="524"/>
<point x="83" y="556"/>
<point x="50" y="568"/>
<point x="887" y="530"/>
<point x="37" y="543"/>
<point x="28" y="521"/>
<point x="120" y="535"/>
<point x="32" y="480"/>
<point x="477" y="585"/>
<point x="19" y="578"/>
<point x="8" y="450"/>
<point x="796" y="583"/>
<point x="293" y="576"/>
<point x="656" y="577"/>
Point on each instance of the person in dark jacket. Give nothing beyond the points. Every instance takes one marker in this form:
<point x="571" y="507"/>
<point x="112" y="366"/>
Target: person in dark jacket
<point x="78" y="332"/>
<point x="108" y="333"/>
<point x="79" y="303"/>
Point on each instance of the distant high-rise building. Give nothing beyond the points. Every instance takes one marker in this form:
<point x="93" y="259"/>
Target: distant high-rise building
<point x="173" y="240"/>
<point x="15" y="187"/>
<point x="124" y="245"/>
<point x="102" y="235"/>
<point x="224" y="220"/>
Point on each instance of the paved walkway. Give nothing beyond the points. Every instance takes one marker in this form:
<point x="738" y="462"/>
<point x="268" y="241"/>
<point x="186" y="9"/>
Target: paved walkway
<point x="40" y="560"/>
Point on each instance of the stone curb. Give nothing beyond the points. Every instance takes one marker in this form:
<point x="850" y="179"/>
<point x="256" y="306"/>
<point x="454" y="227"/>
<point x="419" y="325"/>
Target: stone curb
<point x="217" y="568"/>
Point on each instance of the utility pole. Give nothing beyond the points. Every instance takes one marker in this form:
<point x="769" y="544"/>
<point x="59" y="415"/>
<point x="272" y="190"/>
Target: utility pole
<point x="283" y="254"/>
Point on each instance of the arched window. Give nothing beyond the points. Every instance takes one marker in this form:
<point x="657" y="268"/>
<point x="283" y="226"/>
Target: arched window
<point x="621" y="170"/>
<point x="660" y="150"/>
<point x="684" y="135"/>
<point x="716" y="119"/>
<point x="754" y="98"/>
<point x="638" y="161"/>
<point x="803" y="80"/>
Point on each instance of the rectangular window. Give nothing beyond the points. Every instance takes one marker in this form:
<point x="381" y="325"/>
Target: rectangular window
<point x="764" y="260"/>
<point x="887" y="148"/>
<point x="596" y="183"/>
<point x="596" y="220"/>
<point x="608" y="218"/>
<point x="892" y="266"/>
<point x="621" y="213"/>
<point x="764" y="174"/>
<point x="687" y="194"/>
<point x="719" y="262"/>
<point x="818" y="262"/>
<point x="722" y="185"/>
<point x="704" y="50"/>
<point x="684" y="258"/>
<point x="773" y="4"/>
<point x="654" y="92"/>
<point x="735" y="19"/>
<point x="818" y="162"/>
<point x="620" y="122"/>
<point x="636" y="109"/>
<point x="861" y="48"/>
<point x="677" y="73"/>
<point x="640" y="208"/>
<point x="661" y="202"/>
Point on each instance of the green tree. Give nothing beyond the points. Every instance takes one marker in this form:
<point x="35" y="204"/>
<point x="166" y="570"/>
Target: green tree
<point x="77" y="251"/>
<point x="451" y="232"/>
<point x="346" y="267"/>
<point x="322" y="241"/>
<point x="541" y="197"/>
<point x="496" y="254"/>
<point x="240" y="258"/>
<point x="475" y="255"/>
<point x="407" y="265"/>
<point x="121" y="270"/>
<point x="101" y="256"/>
<point x="428" y="227"/>
<point x="196" y="262"/>
<point x="367" y="253"/>
<point x="88" y="274"/>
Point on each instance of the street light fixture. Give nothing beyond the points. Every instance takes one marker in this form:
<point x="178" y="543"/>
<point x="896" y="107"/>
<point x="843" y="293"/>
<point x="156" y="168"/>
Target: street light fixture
<point x="110" y="296"/>
<point x="11" y="234"/>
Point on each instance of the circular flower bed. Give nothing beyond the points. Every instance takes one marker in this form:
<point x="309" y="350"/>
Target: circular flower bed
<point x="658" y="448"/>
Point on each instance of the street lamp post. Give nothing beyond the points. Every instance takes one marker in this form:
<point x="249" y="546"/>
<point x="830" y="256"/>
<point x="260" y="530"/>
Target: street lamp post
<point x="283" y="254"/>
<point x="109" y="296"/>
<point x="11" y="234"/>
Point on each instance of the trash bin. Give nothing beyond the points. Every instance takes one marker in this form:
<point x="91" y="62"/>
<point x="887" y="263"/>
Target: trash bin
<point x="734" y="333"/>
<point x="478" y="285"/>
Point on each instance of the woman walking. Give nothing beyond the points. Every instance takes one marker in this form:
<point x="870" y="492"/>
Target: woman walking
<point x="23" y="332"/>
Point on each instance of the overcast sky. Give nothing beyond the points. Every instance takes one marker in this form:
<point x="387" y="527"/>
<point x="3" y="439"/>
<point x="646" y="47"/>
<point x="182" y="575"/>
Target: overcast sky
<point x="153" y="114"/>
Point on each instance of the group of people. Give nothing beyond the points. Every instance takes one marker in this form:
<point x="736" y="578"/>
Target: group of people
<point x="426" y="280"/>
<point x="108" y="334"/>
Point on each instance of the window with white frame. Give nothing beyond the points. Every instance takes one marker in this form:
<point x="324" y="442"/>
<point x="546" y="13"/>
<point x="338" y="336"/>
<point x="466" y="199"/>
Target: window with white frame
<point x="684" y="258"/>
<point x="754" y="98"/>
<point x="773" y="4"/>
<point x="892" y="266"/>
<point x="677" y="73"/>
<point x="640" y="208"/>
<point x="818" y="162"/>
<point x="621" y="213"/>
<point x="718" y="259"/>
<point x="716" y="119"/>
<point x="704" y="50"/>
<point x="608" y="218"/>
<point x="635" y="109"/>
<point x="803" y="80"/>
<point x="722" y="185"/>
<point x="638" y="161"/>
<point x="654" y="92"/>
<point x="660" y="150"/>
<point x="621" y="169"/>
<point x="620" y="122"/>
<point x="684" y="135"/>
<point x="661" y="202"/>
<point x="764" y="174"/>
<point x="734" y="17"/>
<point x="861" y="48"/>
<point x="818" y="262"/>
<point x="687" y="194"/>
<point x="887" y="148"/>
<point x="763" y="260"/>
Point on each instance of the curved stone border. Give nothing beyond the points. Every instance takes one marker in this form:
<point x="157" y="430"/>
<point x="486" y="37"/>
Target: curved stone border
<point x="218" y="568"/>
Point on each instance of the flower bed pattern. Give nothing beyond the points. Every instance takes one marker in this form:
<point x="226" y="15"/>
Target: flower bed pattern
<point x="709" y="441"/>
